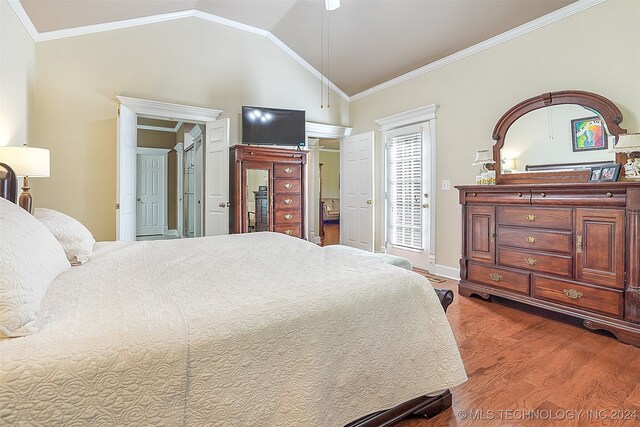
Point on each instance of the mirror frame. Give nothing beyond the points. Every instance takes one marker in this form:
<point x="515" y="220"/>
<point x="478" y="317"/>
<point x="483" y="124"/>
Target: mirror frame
<point x="599" y="104"/>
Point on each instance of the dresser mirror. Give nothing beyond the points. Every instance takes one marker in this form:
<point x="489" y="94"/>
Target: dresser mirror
<point x="257" y="188"/>
<point x="556" y="137"/>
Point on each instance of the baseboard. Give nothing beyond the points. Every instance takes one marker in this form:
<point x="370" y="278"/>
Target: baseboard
<point x="171" y="233"/>
<point x="316" y="240"/>
<point x="448" y="272"/>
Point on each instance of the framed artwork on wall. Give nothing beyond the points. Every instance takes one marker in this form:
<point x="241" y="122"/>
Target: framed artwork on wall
<point x="588" y="134"/>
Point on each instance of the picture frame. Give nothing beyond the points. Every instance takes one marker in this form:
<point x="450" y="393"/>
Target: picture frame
<point x="595" y="174"/>
<point x="588" y="134"/>
<point x="610" y="173"/>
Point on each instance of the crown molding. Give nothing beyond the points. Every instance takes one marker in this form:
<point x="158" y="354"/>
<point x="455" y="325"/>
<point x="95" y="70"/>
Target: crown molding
<point x="165" y="110"/>
<point x="543" y="21"/>
<point x="321" y="130"/>
<point x="407" y="118"/>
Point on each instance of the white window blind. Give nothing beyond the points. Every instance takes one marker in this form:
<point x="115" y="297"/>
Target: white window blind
<point x="404" y="189"/>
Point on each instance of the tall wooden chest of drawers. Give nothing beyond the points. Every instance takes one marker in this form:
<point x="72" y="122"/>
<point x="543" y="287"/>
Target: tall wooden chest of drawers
<point x="286" y="189"/>
<point x="569" y="248"/>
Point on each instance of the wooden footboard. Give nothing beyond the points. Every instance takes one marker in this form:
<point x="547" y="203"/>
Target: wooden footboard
<point x="425" y="406"/>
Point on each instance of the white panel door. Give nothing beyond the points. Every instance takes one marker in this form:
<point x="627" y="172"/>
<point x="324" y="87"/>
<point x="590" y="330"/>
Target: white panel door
<point x="356" y="191"/>
<point x="126" y="174"/>
<point x="216" y="182"/>
<point x="151" y="180"/>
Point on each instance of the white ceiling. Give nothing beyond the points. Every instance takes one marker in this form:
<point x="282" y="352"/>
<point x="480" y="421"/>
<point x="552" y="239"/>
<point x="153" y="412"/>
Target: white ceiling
<point x="370" y="41"/>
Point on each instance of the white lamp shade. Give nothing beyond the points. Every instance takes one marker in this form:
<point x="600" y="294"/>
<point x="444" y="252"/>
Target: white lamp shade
<point x="483" y="157"/>
<point x="26" y="161"/>
<point x="509" y="164"/>
<point x="628" y="143"/>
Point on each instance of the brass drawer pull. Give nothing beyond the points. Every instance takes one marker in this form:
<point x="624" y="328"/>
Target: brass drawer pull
<point x="530" y="239"/>
<point x="573" y="294"/>
<point x="530" y="217"/>
<point x="288" y="216"/>
<point x="288" y="232"/>
<point x="519" y="194"/>
<point x="609" y="194"/>
<point x="288" y="201"/>
<point x="578" y="244"/>
<point x="288" y="170"/>
<point x="287" y="185"/>
<point x="531" y="261"/>
<point x="543" y="194"/>
<point x="496" y="277"/>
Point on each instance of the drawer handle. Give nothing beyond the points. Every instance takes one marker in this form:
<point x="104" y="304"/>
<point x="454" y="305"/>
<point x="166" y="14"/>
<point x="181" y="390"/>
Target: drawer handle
<point x="288" y="170"/>
<point x="543" y="194"/>
<point x="530" y="239"/>
<point x="287" y="201"/>
<point x="578" y="244"/>
<point x="288" y="216"/>
<point x="531" y="261"/>
<point x="530" y="217"/>
<point x="573" y="294"/>
<point x="496" y="277"/>
<point x="288" y="232"/>
<point x="287" y="185"/>
<point x="519" y="194"/>
<point x="609" y="194"/>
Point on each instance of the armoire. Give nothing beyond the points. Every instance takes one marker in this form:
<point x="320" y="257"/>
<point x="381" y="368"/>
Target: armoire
<point x="280" y="172"/>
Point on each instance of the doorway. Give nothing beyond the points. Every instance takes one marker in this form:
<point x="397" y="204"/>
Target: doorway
<point x="329" y="197"/>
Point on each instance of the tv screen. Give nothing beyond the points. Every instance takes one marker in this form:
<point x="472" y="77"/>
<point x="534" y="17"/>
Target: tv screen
<point x="273" y="126"/>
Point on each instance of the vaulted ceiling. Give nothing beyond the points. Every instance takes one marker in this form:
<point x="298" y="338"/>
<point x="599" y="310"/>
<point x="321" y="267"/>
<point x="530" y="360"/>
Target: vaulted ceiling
<point x="365" y="42"/>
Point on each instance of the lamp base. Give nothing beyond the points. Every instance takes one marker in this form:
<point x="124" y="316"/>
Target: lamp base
<point x="25" y="201"/>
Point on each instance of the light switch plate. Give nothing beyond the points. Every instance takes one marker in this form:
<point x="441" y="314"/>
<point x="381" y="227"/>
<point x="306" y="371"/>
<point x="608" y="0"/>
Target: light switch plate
<point x="446" y="185"/>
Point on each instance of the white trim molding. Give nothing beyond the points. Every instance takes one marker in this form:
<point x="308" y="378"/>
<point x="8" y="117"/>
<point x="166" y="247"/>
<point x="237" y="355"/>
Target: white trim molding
<point x="321" y="130"/>
<point x="448" y="272"/>
<point x="167" y="111"/>
<point x="408" y="118"/>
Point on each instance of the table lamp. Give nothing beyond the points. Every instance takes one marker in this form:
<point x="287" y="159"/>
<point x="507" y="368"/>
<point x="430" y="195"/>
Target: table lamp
<point x="27" y="162"/>
<point x="483" y="158"/>
<point x="629" y="143"/>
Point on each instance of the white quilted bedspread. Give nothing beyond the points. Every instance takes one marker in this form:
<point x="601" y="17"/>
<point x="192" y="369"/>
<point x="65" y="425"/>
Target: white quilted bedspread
<point x="244" y="330"/>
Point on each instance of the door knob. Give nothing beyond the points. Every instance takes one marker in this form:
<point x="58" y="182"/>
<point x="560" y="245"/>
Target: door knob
<point x="425" y="205"/>
<point x="138" y="199"/>
<point x="369" y="202"/>
<point x="223" y="204"/>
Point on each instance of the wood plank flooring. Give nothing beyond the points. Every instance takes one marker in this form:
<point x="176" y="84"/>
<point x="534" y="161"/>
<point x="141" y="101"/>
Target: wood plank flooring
<point x="525" y="368"/>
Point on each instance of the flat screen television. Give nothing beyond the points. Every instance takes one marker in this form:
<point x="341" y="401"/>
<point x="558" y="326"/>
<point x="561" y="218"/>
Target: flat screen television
<point x="273" y="126"/>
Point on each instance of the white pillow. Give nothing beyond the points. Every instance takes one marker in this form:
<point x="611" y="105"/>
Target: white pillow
<point x="30" y="259"/>
<point x="74" y="237"/>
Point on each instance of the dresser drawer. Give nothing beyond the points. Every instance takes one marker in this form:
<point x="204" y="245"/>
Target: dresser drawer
<point x="560" y="219"/>
<point x="286" y="216"/>
<point x="516" y="281"/>
<point x="551" y="241"/>
<point x="561" y="265"/>
<point x="290" y="230"/>
<point x="286" y="201"/>
<point x="287" y="171"/>
<point x="572" y="294"/>
<point x="286" y="186"/>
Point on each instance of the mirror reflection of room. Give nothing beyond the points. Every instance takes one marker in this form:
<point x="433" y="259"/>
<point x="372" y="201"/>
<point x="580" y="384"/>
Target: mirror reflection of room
<point x="575" y="135"/>
<point x="257" y="200"/>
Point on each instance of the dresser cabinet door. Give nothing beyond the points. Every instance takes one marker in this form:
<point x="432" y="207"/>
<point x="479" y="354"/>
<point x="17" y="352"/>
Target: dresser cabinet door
<point x="481" y="233"/>
<point x="600" y="247"/>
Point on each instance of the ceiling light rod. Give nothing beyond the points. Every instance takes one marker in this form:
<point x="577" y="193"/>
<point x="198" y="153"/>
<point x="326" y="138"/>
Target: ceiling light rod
<point x="331" y="4"/>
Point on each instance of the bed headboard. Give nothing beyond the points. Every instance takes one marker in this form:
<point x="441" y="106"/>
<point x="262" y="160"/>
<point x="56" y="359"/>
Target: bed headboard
<point x="8" y="183"/>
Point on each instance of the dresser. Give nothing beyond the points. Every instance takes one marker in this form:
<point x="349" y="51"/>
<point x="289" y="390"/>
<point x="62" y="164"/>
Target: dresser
<point x="573" y="249"/>
<point x="283" y="209"/>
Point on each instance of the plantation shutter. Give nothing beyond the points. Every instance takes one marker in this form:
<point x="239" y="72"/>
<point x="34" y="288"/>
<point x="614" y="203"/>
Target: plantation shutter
<point x="404" y="188"/>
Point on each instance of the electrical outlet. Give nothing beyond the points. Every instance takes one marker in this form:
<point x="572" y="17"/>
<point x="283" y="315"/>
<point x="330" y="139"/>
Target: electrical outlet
<point x="446" y="185"/>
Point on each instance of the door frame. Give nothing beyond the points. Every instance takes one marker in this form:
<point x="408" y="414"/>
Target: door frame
<point x="396" y="121"/>
<point x="180" y="188"/>
<point x="316" y="131"/>
<point x="157" y="110"/>
<point x="162" y="152"/>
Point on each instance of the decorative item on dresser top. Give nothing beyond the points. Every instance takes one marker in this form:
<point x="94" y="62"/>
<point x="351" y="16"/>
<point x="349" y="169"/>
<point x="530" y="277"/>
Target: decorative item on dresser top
<point x="282" y="171"/>
<point x="553" y="240"/>
<point x="26" y="162"/>
<point x="629" y="144"/>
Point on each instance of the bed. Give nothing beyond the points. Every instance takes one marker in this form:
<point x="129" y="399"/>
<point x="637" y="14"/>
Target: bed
<point x="222" y="331"/>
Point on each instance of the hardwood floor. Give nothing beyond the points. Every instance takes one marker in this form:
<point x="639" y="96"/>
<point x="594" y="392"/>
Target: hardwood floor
<point x="525" y="369"/>
<point x="331" y="234"/>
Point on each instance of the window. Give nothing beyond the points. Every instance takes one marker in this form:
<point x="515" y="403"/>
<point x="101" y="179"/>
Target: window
<point x="405" y="187"/>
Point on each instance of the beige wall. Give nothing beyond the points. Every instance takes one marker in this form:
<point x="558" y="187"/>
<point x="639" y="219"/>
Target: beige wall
<point x="330" y="174"/>
<point x="473" y="93"/>
<point x="17" y="67"/>
<point x="188" y="61"/>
